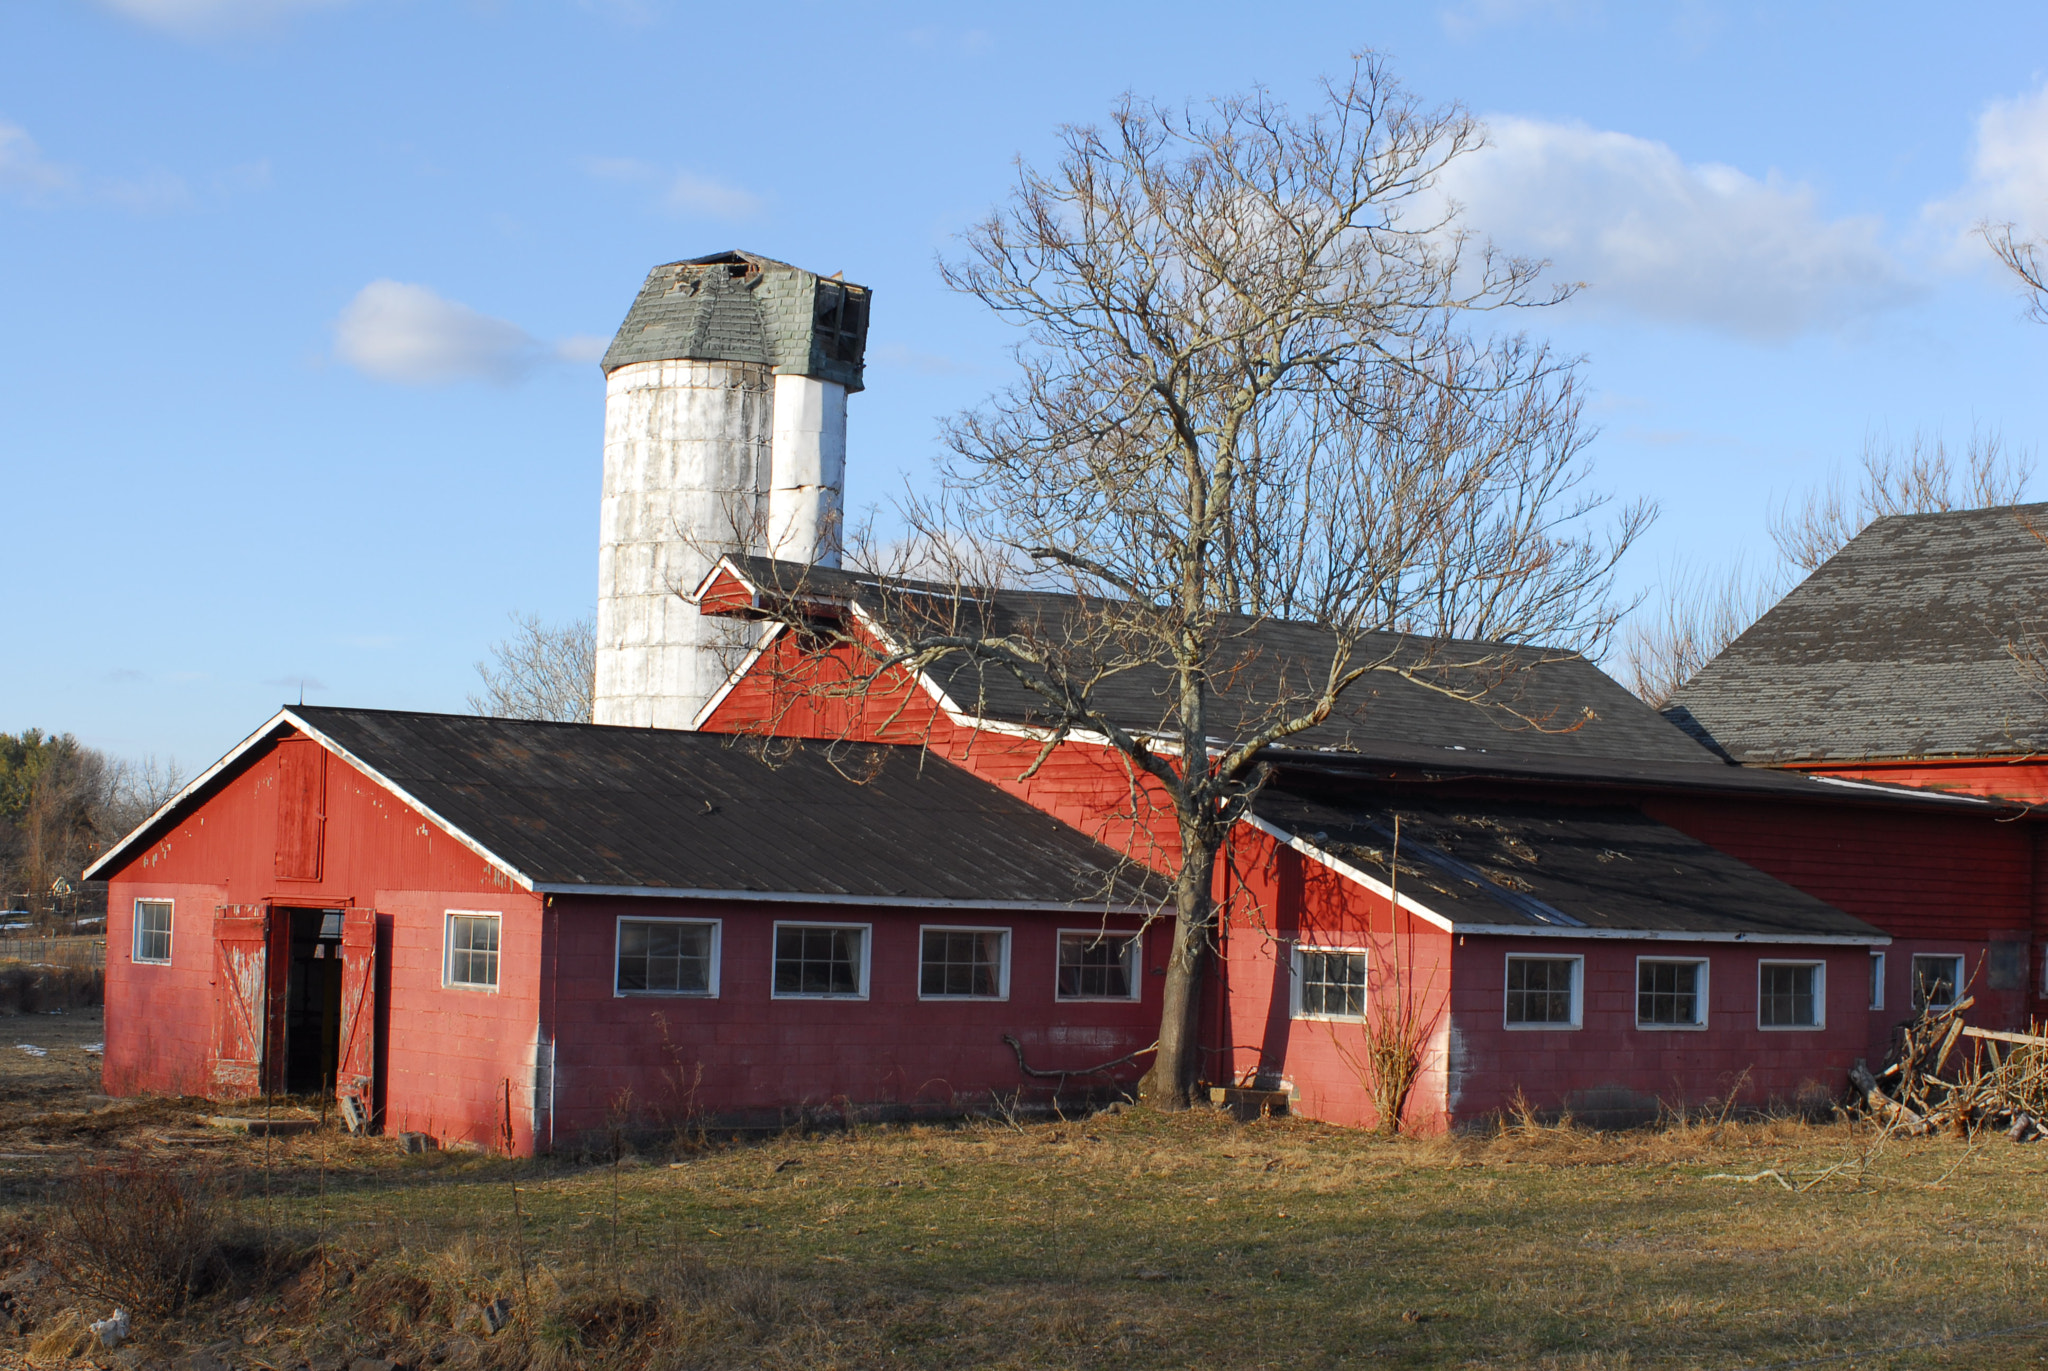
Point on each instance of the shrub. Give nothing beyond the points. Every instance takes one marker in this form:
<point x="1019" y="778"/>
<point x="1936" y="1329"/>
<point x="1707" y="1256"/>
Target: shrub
<point x="140" y="1234"/>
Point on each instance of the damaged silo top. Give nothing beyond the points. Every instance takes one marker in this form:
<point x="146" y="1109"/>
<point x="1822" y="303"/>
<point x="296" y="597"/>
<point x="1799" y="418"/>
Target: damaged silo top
<point x="740" y="307"/>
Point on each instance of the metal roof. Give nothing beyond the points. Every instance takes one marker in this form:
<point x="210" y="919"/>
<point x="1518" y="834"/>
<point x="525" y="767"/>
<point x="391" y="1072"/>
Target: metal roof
<point x="607" y="810"/>
<point x="1897" y="647"/>
<point x="1497" y="866"/>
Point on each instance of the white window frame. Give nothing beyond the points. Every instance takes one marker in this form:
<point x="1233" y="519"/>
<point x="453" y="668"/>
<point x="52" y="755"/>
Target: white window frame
<point x="1820" y="995"/>
<point x="170" y="940"/>
<point x="1002" y="962"/>
<point x="1877" y="969"/>
<point x="1955" y="988"/>
<point x="1699" y="1023"/>
<point x="1578" y="961"/>
<point x="717" y="927"/>
<point x="448" y="918"/>
<point x="1134" y="952"/>
<point x="867" y="954"/>
<point x="1295" y="983"/>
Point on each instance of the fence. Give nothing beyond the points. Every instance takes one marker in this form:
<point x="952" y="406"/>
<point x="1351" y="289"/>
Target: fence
<point x="84" y="953"/>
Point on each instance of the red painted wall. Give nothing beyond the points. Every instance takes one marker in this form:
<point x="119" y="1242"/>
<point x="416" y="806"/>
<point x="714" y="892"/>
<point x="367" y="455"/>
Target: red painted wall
<point x="1935" y="882"/>
<point x="746" y="1056"/>
<point x="445" y="1064"/>
<point x="2018" y="778"/>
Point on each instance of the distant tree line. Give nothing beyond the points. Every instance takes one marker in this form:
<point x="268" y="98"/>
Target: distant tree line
<point x="61" y="805"/>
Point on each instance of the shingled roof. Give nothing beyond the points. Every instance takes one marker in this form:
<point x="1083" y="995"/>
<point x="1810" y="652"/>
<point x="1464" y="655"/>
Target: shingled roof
<point x="1496" y="866"/>
<point x="740" y="307"/>
<point x="595" y="809"/>
<point x="1897" y="647"/>
<point x="1542" y="706"/>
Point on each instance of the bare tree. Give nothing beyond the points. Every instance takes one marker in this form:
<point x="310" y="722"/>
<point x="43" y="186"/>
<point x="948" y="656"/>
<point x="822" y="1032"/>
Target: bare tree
<point x="1249" y="392"/>
<point x="543" y="671"/>
<point x="2022" y="257"/>
<point x="1918" y="476"/>
<point x="1692" y="617"/>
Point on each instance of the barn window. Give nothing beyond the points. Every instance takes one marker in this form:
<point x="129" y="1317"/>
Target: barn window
<point x="667" y="957"/>
<point x="1543" y="992"/>
<point x="1671" y="993"/>
<point x="1937" y="981"/>
<point x="1329" y="983"/>
<point x="963" y="963"/>
<point x="1877" y="980"/>
<point x="473" y="950"/>
<point x="1790" y="994"/>
<point x="153" y="932"/>
<point x="1098" y="966"/>
<point x="814" y="960"/>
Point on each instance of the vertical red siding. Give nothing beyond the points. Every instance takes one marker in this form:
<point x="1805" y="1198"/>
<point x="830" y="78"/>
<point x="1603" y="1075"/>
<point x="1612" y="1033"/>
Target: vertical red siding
<point x="449" y="1051"/>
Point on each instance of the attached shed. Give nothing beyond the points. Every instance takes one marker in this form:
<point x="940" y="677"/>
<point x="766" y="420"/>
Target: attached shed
<point x="513" y="933"/>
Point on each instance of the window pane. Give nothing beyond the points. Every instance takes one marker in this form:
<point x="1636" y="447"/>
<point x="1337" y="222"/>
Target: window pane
<point x="661" y="958"/>
<point x="1935" y="980"/>
<point x="153" y="930"/>
<point x="1095" y="966"/>
<point x="1333" y="983"/>
<point x="961" y="962"/>
<point x="1667" y="993"/>
<point x="1540" y="990"/>
<point x="817" y="961"/>
<point x="1785" y="997"/>
<point x="473" y="949"/>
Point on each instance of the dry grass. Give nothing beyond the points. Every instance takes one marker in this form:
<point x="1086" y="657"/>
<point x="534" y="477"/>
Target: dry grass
<point x="1126" y="1240"/>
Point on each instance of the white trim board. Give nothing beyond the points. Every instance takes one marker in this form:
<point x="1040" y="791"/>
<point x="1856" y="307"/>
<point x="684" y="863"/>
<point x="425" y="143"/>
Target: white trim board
<point x="663" y="892"/>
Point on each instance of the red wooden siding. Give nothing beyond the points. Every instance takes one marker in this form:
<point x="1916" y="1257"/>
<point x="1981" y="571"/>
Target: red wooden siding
<point x="2018" y="778"/>
<point x="301" y="808"/>
<point x="747" y="1056"/>
<point x="450" y="1051"/>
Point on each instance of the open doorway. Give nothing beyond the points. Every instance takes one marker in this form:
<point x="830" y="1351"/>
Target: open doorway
<point x="312" y="1001"/>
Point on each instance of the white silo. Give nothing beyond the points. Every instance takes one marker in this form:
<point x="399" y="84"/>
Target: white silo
<point x="724" y="431"/>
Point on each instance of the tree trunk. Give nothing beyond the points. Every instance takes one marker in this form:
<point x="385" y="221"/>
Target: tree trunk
<point x="1170" y="1082"/>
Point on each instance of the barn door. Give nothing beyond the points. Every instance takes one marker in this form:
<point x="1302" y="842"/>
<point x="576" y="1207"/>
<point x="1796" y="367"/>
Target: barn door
<point x="355" y="1070"/>
<point x="241" y="1001"/>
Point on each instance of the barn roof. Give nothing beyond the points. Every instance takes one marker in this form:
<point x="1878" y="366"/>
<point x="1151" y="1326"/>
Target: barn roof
<point x="1543" y="704"/>
<point x="1898" y="646"/>
<point x="1550" y="716"/>
<point x="604" y="810"/>
<point x="1498" y="866"/>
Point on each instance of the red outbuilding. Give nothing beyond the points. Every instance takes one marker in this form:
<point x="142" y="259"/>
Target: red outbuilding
<point x="512" y="934"/>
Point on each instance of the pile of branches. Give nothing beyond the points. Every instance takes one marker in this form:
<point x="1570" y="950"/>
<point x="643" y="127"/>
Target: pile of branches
<point x="1947" y="1077"/>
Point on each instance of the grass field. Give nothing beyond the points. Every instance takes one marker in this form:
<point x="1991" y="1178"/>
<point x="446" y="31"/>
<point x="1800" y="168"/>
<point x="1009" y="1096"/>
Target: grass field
<point x="1126" y="1239"/>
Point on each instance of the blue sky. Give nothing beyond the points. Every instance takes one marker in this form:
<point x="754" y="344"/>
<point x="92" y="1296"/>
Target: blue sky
<point x="298" y="298"/>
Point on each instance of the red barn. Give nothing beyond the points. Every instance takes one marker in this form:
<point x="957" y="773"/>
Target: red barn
<point x="514" y="933"/>
<point x="1595" y="917"/>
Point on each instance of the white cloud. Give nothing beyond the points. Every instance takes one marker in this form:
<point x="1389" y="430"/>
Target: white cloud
<point x="1471" y="17"/>
<point x="682" y="192"/>
<point x="1653" y="236"/>
<point x="582" y="349"/>
<point x="2008" y="178"/>
<point x="702" y="197"/>
<point x="25" y="172"/>
<point x="396" y="331"/>
<point x="206" y="18"/>
<point x="28" y="176"/>
<point x="399" y="332"/>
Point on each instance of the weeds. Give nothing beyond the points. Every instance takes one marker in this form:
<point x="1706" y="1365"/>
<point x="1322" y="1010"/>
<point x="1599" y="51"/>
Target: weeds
<point x="141" y="1234"/>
